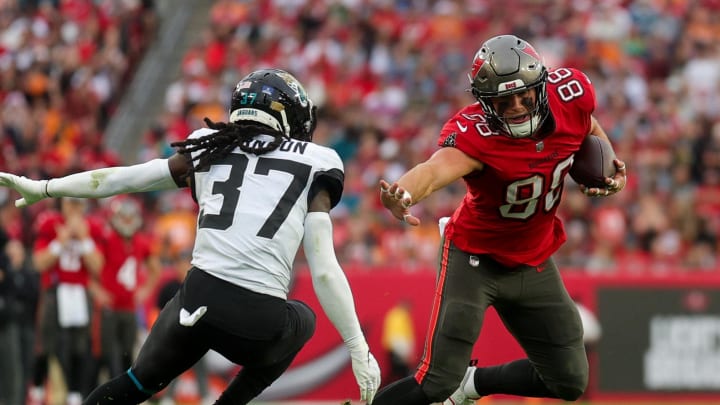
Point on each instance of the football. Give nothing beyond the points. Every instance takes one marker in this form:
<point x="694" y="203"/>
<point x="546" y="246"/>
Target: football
<point x="593" y="162"/>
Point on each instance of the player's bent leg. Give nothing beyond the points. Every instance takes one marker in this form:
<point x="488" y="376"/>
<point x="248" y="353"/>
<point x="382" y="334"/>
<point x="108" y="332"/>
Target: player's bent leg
<point x="570" y="390"/>
<point x="547" y="325"/>
<point x="443" y="367"/>
<point x="270" y="358"/>
<point x="250" y="381"/>
<point x="459" y="312"/>
<point x="569" y="379"/>
<point x="520" y="378"/>
<point x="516" y="378"/>
<point x="462" y="298"/>
<point x="405" y="391"/>
<point x="169" y="350"/>
<point x="121" y="390"/>
<point x="301" y="325"/>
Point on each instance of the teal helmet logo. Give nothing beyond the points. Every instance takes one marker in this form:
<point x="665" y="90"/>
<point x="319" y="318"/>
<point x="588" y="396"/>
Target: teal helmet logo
<point x="295" y="85"/>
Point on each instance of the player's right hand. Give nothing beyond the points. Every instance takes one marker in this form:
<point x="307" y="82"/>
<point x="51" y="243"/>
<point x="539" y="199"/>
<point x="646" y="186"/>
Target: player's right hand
<point x="398" y="201"/>
<point x="614" y="184"/>
<point x="367" y="373"/>
<point x="31" y="191"/>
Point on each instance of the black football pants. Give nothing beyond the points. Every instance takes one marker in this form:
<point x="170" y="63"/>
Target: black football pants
<point x="259" y="332"/>
<point x="534" y="306"/>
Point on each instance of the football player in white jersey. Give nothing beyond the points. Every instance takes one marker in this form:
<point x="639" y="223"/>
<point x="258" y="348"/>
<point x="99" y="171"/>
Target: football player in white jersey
<point x="262" y="187"/>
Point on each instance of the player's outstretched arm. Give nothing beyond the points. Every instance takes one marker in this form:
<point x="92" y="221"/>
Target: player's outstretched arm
<point x="333" y="292"/>
<point x="442" y="168"/>
<point x="99" y="183"/>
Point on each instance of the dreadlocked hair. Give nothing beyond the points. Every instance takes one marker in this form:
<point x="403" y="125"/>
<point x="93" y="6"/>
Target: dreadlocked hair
<point x="227" y="137"/>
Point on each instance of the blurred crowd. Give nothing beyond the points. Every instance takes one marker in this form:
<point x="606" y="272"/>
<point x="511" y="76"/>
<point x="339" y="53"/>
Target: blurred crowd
<point x="386" y="75"/>
<point x="63" y="65"/>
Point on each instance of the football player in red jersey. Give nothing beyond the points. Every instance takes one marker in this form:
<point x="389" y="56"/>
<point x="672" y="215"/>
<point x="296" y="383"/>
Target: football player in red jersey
<point x="130" y="274"/>
<point x="513" y="148"/>
<point x="66" y="254"/>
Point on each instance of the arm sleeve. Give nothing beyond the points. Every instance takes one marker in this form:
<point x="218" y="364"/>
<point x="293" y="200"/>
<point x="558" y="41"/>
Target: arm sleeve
<point x="149" y="176"/>
<point x="332" y="181"/>
<point x="329" y="281"/>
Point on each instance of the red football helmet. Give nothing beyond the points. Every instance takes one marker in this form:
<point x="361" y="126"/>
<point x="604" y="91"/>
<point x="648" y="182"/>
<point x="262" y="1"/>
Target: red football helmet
<point x="126" y="215"/>
<point x="507" y="65"/>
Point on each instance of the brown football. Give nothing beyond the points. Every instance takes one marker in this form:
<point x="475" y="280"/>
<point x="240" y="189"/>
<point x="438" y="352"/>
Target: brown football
<point x="593" y="162"/>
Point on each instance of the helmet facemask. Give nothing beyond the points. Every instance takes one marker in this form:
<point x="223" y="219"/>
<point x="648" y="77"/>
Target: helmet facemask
<point x="507" y="65"/>
<point x="538" y="113"/>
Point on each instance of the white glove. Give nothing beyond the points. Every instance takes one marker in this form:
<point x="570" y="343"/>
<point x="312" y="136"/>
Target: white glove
<point x="366" y="370"/>
<point x="31" y="191"/>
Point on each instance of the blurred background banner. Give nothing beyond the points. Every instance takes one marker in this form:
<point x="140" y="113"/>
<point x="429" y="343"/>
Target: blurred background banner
<point x="660" y="335"/>
<point x="661" y="338"/>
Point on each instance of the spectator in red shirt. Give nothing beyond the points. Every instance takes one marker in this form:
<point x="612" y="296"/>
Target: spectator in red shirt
<point x="130" y="274"/>
<point x="66" y="254"/>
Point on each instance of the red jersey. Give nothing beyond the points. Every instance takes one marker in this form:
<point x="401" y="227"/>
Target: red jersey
<point x="121" y="273"/>
<point x="69" y="268"/>
<point x="509" y="209"/>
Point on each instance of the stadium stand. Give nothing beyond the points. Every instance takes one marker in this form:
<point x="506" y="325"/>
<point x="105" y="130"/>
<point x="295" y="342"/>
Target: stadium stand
<point x="386" y="74"/>
<point x="403" y="64"/>
<point x="85" y="84"/>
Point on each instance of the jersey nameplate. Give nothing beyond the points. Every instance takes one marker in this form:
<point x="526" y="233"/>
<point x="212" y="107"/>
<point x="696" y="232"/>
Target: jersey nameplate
<point x="289" y="145"/>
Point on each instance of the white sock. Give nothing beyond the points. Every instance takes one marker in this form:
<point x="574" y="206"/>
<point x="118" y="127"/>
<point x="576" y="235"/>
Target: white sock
<point x="37" y="393"/>
<point x="74" y="398"/>
<point x="469" y="386"/>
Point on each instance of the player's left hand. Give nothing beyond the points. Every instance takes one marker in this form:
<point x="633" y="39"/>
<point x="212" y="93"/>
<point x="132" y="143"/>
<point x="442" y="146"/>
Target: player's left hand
<point x="31" y="191"/>
<point x="398" y="201"/>
<point x="614" y="184"/>
<point x="367" y="373"/>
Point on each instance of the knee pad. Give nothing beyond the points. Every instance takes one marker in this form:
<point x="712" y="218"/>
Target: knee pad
<point x="462" y="321"/>
<point x="570" y="389"/>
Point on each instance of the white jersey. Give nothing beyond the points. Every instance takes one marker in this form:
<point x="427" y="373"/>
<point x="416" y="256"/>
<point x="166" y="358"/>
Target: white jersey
<point x="253" y="208"/>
